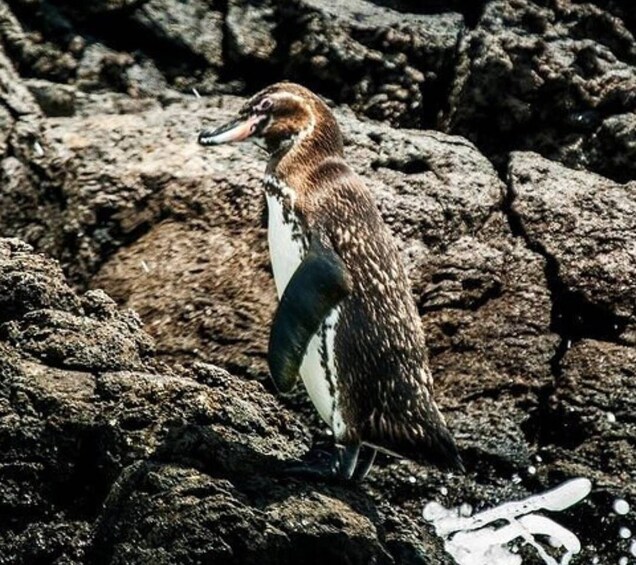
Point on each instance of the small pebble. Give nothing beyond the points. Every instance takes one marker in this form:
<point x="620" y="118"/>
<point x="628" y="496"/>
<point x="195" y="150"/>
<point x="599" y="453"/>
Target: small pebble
<point x="532" y="470"/>
<point x="622" y="561"/>
<point x="632" y="548"/>
<point x="412" y="479"/>
<point x="444" y="491"/>
<point x="611" y="418"/>
<point x="625" y="533"/>
<point x="621" y="506"/>
<point x="465" y="510"/>
<point x="516" y="479"/>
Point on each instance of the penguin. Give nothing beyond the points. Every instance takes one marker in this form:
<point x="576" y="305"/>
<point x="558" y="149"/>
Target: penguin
<point x="346" y="321"/>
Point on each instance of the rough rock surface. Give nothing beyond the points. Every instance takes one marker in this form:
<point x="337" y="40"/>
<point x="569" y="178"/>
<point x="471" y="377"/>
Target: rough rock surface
<point x="383" y="64"/>
<point x="156" y="459"/>
<point x="557" y="78"/>
<point x="584" y="224"/>
<point x="122" y="440"/>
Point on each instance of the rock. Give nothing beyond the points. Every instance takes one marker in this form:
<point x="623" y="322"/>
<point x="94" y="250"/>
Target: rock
<point x="101" y="66"/>
<point x="54" y="99"/>
<point x="68" y="433"/>
<point x="588" y="415"/>
<point x="166" y="514"/>
<point x="99" y="7"/>
<point x="384" y="65"/>
<point x="584" y="427"/>
<point x="584" y="224"/>
<point x="16" y="99"/>
<point x="32" y="54"/>
<point x="31" y="283"/>
<point x="104" y="463"/>
<point x="250" y="32"/>
<point x="47" y="542"/>
<point x="558" y="80"/>
<point x="615" y="149"/>
<point x="193" y="25"/>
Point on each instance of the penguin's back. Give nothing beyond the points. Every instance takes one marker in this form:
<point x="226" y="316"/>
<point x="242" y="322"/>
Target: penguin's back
<point x="385" y="384"/>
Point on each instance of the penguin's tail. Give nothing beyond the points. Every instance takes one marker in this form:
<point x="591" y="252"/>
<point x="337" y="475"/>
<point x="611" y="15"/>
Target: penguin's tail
<point x="426" y="442"/>
<point x="436" y="448"/>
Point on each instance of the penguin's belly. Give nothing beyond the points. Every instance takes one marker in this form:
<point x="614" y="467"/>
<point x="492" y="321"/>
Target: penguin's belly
<point x="285" y="239"/>
<point x="318" y="368"/>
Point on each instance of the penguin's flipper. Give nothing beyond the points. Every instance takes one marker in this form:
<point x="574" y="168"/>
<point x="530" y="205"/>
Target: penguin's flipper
<point x="318" y="285"/>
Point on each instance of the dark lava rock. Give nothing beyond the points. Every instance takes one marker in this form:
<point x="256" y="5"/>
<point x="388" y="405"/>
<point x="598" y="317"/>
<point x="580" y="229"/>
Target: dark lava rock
<point x="162" y="513"/>
<point x="134" y="461"/>
<point x="193" y="25"/>
<point x="53" y="98"/>
<point x="383" y="63"/>
<point x="585" y="225"/>
<point x="122" y="448"/>
<point x="31" y="52"/>
<point x="594" y="396"/>
<point x="558" y="79"/>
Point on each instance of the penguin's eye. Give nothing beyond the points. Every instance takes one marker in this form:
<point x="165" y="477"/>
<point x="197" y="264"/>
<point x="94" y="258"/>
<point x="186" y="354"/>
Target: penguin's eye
<point x="264" y="105"/>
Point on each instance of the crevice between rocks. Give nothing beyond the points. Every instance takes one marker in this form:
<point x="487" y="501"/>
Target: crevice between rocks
<point x="573" y="318"/>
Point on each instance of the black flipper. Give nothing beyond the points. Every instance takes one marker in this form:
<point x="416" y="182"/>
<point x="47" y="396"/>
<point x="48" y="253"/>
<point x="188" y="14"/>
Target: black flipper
<point x="318" y="285"/>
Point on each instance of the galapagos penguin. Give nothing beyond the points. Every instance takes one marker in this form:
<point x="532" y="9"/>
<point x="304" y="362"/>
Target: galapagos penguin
<point x="346" y="322"/>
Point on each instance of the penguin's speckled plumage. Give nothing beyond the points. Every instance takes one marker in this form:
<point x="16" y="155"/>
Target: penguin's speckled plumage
<point x="347" y="320"/>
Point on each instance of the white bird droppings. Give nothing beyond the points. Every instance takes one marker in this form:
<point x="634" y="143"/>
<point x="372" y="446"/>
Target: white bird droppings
<point x="475" y="540"/>
<point x="433" y="510"/>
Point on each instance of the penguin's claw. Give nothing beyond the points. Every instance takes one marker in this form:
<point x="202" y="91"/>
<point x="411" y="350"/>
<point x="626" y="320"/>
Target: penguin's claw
<point x="364" y="465"/>
<point x="340" y="465"/>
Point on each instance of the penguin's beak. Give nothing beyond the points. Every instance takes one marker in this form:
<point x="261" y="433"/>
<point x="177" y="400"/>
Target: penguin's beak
<point x="236" y="130"/>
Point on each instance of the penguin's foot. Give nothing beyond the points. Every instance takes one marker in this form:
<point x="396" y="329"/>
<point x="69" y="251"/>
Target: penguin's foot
<point x="365" y="462"/>
<point x="340" y="465"/>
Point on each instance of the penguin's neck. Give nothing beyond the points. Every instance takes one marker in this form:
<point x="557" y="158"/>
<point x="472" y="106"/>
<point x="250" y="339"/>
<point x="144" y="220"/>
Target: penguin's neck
<point x="293" y="167"/>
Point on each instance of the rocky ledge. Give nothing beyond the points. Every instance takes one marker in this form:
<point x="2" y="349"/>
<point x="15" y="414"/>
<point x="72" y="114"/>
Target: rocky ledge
<point x="138" y="424"/>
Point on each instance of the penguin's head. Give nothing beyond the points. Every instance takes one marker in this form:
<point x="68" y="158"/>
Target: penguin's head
<point x="283" y="114"/>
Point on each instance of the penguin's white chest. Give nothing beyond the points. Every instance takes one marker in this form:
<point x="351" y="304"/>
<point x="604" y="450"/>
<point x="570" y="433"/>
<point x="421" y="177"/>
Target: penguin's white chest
<point x="287" y="248"/>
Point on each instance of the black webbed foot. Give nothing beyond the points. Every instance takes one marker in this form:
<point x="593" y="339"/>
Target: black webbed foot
<point x="339" y="465"/>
